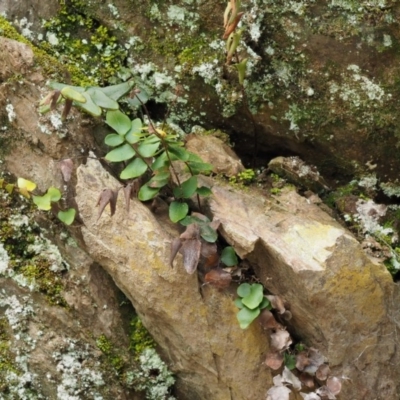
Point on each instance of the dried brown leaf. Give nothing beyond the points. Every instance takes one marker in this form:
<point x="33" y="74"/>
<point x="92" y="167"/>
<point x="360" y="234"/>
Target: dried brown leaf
<point x="289" y="377"/>
<point x="67" y="109"/>
<point x="66" y="166"/>
<point x="231" y="27"/>
<point x="322" y="372"/>
<point x="107" y="196"/>
<point x="219" y="278"/>
<point x="307" y="380"/>
<point x="274" y="360"/>
<point x="192" y="232"/>
<point x="191" y="253"/>
<point x="278" y="393"/>
<point x="277" y="303"/>
<point x="334" y="385"/>
<point x="54" y="98"/>
<point x="316" y="359"/>
<point x="324" y="392"/>
<point x="130" y="191"/>
<point x="281" y="340"/>
<point x="215" y="224"/>
<point x="267" y="320"/>
<point x="302" y="360"/>
<point x="176" y="244"/>
<point x="209" y="254"/>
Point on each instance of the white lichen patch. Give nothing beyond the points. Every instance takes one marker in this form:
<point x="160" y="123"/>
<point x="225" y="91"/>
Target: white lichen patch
<point x="4" y="259"/>
<point x="10" y="112"/>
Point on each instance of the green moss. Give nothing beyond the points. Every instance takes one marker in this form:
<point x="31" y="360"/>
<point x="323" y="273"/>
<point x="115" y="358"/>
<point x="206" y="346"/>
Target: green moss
<point x="50" y="65"/>
<point x="140" y="338"/>
<point x="115" y="360"/>
<point x="19" y="235"/>
<point x="243" y="178"/>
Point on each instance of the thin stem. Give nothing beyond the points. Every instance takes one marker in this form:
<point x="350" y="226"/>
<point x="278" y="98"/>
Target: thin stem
<point x="197" y="195"/>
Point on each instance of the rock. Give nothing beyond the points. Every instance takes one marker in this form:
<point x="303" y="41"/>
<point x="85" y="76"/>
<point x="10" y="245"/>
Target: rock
<point x="341" y="302"/>
<point x="16" y="58"/>
<point x="214" y="151"/>
<point x="196" y="328"/>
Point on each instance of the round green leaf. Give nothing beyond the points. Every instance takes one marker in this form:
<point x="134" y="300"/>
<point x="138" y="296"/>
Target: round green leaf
<point x="246" y="316"/>
<point x="42" y="202"/>
<point x="135" y="133"/>
<point x="113" y="140"/>
<point x="147" y="193"/>
<point x="161" y="174"/>
<point x="54" y="194"/>
<point x="102" y="100"/>
<point x="265" y="304"/>
<point x="255" y="297"/>
<point x="89" y="106"/>
<point x="177" y="211"/>
<point x="72" y="94"/>
<point x="148" y="149"/>
<point x="160" y="162"/>
<point x="200" y="167"/>
<point x="208" y="234"/>
<point x="67" y="216"/>
<point x="228" y="257"/>
<point x="179" y="152"/>
<point x="118" y="121"/>
<point x="204" y="191"/>
<point x="157" y="183"/>
<point x="189" y="187"/>
<point x="115" y="92"/>
<point x="238" y="303"/>
<point x="135" y="168"/>
<point x="244" y="290"/>
<point x="122" y="153"/>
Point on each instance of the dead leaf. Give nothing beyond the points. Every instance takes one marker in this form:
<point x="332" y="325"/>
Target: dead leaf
<point x="277" y="303"/>
<point x="274" y="360"/>
<point x="67" y="109"/>
<point x="316" y="359"/>
<point x="209" y="255"/>
<point x="322" y="372"/>
<point x="278" y="393"/>
<point x="302" y="360"/>
<point x="281" y="340"/>
<point x="289" y="377"/>
<point x="54" y="98"/>
<point x="334" y="385"/>
<point x="176" y="244"/>
<point x="66" y="166"/>
<point x="107" y="196"/>
<point x="190" y="251"/>
<point x="231" y="27"/>
<point x="219" y="278"/>
<point x="325" y="392"/>
<point x="192" y="232"/>
<point x="310" y="396"/>
<point x="130" y="191"/>
<point x="267" y="320"/>
<point x="307" y="380"/>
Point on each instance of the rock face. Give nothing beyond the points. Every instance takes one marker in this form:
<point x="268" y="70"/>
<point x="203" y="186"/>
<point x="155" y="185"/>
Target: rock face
<point x="195" y="327"/>
<point x="342" y="303"/>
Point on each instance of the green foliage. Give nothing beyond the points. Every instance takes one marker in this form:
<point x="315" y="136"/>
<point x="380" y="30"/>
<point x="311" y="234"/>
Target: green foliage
<point x="140" y="338"/>
<point x="243" y="178"/>
<point x="107" y="348"/>
<point x="147" y="150"/>
<point x="251" y="301"/>
<point x="228" y="257"/>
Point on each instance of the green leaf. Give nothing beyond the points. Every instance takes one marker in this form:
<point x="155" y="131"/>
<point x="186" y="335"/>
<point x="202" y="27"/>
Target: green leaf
<point x="147" y="193"/>
<point x="135" y="168"/>
<point x="155" y="183"/>
<point x="255" y="297"/>
<point x="204" y="191"/>
<point x="265" y="304"/>
<point x="161" y="174"/>
<point x="115" y="92"/>
<point x="148" y="149"/>
<point x="60" y="86"/>
<point x="160" y="162"/>
<point x="289" y="360"/>
<point x="113" y="139"/>
<point x="246" y="316"/>
<point x="228" y="257"/>
<point x="238" y="302"/>
<point x="72" y="94"/>
<point x="118" y="121"/>
<point x="208" y="233"/>
<point x="42" y="202"/>
<point x="102" y="100"/>
<point x="135" y="133"/>
<point x="177" y="211"/>
<point x="54" y="194"/>
<point x="200" y="167"/>
<point x="67" y="216"/>
<point x="122" y="153"/>
<point x="143" y="96"/>
<point x="244" y="290"/>
<point x="186" y="189"/>
<point x="178" y="152"/>
<point x="91" y="108"/>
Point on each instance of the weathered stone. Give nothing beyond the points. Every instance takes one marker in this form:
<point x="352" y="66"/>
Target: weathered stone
<point x="339" y="298"/>
<point x="214" y="151"/>
<point x="195" y="327"/>
<point x="15" y="59"/>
